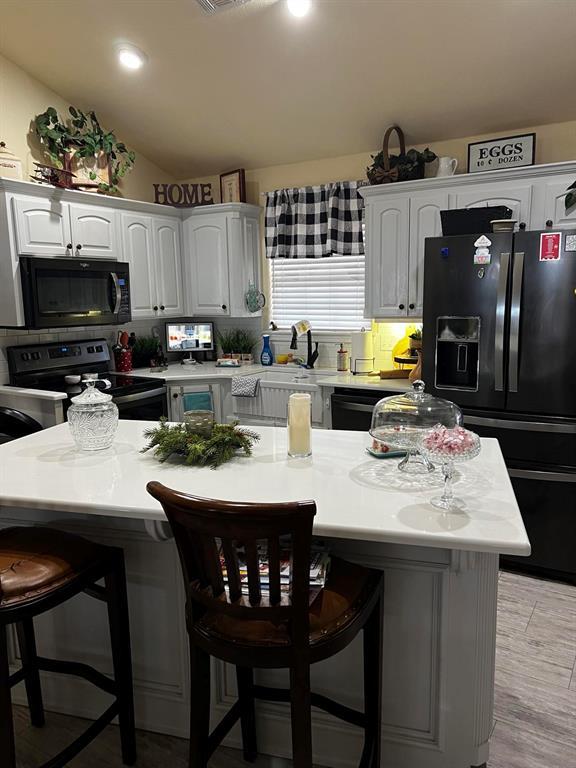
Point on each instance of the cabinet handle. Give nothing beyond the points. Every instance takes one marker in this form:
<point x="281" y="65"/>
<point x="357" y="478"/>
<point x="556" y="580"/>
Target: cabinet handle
<point x="79" y="247"/>
<point x="549" y="224"/>
<point x="69" y="246"/>
<point x="175" y="395"/>
<point x="155" y="308"/>
<point x="400" y="306"/>
<point x="224" y="307"/>
<point x="162" y="307"/>
<point x="411" y="306"/>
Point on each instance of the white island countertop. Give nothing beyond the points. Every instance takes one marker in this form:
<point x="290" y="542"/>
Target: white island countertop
<point x="358" y="497"/>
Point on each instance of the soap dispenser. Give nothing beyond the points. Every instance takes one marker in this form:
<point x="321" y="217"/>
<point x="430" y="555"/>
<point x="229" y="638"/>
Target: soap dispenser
<point x="266" y="356"/>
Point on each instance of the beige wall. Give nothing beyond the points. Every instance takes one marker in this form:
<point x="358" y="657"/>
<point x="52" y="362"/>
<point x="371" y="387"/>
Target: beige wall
<point x="554" y="143"/>
<point x="22" y="97"/>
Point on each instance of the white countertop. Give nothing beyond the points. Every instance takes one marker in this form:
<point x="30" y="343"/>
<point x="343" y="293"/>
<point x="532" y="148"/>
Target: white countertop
<point x="178" y="372"/>
<point x="38" y="394"/>
<point x="358" y="497"/>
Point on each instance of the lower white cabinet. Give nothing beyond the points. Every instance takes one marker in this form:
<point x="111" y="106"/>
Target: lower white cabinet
<point x="204" y="396"/>
<point x="222" y="258"/>
<point x="152" y="248"/>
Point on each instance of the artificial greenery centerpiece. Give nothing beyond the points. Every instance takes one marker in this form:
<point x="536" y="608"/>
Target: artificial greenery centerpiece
<point x="82" y="135"/>
<point x="200" y="447"/>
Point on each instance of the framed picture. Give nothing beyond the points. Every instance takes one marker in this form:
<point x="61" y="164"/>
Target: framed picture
<point x="506" y="152"/>
<point x="233" y="187"/>
<point x="82" y="167"/>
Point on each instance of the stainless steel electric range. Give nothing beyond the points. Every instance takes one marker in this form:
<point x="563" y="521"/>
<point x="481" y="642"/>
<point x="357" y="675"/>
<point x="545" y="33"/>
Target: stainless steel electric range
<point x="64" y="367"/>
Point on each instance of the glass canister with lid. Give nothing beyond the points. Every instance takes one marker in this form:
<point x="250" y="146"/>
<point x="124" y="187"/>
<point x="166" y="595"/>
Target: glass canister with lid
<point x="401" y="420"/>
<point x="93" y="418"/>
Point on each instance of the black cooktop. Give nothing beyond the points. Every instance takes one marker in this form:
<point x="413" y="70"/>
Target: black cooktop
<point x="113" y="383"/>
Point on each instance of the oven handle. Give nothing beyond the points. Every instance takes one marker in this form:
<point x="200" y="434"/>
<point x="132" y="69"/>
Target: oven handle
<point x="353" y="406"/>
<point x="526" y="426"/>
<point x="140" y="396"/>
<point x="551" y="477"/>
<point x="118" y="289"/>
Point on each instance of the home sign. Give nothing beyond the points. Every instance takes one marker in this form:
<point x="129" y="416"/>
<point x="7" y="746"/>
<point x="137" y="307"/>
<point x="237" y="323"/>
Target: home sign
<point x="506" y="152"/>
<point x="183" y="195"/>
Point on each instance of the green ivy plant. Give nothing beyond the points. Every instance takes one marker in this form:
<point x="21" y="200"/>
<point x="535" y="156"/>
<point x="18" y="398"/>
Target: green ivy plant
<point x="82" y="133"/>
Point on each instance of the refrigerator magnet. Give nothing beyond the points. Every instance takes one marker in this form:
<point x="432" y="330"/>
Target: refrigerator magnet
<point x="482" y="256"/>
<point x="570" y="243"/>
<point x="550" y="243"/>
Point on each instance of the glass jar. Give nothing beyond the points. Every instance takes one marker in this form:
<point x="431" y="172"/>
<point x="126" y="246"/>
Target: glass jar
<point x="93" y="418"/>
<point x="402" y="419"/>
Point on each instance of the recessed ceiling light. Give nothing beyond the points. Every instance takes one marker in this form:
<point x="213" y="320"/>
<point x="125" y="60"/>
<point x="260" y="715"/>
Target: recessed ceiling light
<point x="299" y="7"/>
<point x="131" y="57"/>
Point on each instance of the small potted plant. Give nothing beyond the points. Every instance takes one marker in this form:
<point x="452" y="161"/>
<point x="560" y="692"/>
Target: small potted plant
<point x="227" y="341"/>
<point x="245" y="343"/>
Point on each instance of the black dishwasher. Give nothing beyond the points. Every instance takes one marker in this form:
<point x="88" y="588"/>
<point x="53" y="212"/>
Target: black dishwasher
<point x="352" y="408"/>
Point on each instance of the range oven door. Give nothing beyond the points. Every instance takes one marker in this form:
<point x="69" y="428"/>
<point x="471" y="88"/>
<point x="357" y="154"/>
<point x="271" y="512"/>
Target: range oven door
<point x="143" y="406"/>
<point x="74" y="292"/>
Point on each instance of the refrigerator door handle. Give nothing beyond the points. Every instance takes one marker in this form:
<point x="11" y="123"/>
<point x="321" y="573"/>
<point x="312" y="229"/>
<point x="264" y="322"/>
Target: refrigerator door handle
<point x="513" y="356"/>
<point x="500" y="320"/>
<point x="549" y="477"/>
<point x="524" y="426"/>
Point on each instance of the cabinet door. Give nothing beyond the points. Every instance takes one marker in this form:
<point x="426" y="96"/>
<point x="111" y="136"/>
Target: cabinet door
<point x="554" y="208"/>
<point x="95" y="232"/>
<point x="243" y="262"/>
<point x="387" y="240"/>
<point x="168" y="267"/>
<point x="517" y="197"/>
<point x="207" y="268"/>
<point x="138" y="241"/>
<point x="424" y="222"/>
<point x="42" y="227"/>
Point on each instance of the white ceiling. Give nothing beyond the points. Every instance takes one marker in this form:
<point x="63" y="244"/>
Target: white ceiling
<point x="254" y="86"/>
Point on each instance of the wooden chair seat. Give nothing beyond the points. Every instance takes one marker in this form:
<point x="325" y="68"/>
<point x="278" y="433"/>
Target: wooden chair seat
<point x="36" y="561"/>
<point x="349" y="590"/>
<point x="41" y="568"/>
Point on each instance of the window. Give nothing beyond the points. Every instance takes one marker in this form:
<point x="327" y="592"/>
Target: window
<point x="328" y="292"/>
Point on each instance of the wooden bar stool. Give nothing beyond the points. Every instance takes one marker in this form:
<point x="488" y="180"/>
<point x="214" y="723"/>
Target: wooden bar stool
<point x="270" y="629"/>
<point x="41" y="568"/>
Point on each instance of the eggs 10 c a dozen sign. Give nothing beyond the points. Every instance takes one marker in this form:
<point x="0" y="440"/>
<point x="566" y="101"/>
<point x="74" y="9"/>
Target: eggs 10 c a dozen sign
<point x="506" y="152"/>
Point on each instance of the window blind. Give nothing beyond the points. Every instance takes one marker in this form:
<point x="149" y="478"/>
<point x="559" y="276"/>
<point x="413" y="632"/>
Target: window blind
<point x="327" y="292"/>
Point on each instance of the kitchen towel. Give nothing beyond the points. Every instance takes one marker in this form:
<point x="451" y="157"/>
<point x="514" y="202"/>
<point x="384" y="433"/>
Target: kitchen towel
<point x="245" y="386"/>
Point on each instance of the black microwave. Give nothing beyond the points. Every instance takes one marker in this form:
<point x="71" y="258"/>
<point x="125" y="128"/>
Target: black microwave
<point x="72" y="292"/>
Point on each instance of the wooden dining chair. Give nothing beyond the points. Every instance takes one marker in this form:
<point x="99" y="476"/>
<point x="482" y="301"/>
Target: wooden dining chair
<point x="252" y="627"/>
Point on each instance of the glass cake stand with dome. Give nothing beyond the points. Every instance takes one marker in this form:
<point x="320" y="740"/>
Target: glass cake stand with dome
<point x="402" y="420"/>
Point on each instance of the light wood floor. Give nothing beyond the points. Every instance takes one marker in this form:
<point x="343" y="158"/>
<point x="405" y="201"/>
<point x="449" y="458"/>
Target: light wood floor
<point x="535" y="707"/>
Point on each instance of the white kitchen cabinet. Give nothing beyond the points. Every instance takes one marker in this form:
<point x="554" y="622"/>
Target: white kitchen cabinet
<point x="222" y="246"/>
<point x="152" y="248"/>
<point x="517" y="197"/>
<point x="138" y="237"/>
<point x="387" y="241"/>
<point x="554" y="207"/>
<point x="168" y="267"/>
<point x="95" y="232"/>
<point x="204" y="396"/>
<point x="42" y="227"/>
<point x="207" y="264"/>
<point x="424" y="222"/>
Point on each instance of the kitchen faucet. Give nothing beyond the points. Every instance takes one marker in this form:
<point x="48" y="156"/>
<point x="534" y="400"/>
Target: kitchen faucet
<point x="299" y="329"/>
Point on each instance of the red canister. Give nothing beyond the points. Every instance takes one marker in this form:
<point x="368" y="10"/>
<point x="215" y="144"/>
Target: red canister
<point x="123" y="360"/>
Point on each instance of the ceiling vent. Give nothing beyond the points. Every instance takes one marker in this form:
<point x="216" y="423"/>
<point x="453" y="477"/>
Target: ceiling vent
<point x="217" y="6"/>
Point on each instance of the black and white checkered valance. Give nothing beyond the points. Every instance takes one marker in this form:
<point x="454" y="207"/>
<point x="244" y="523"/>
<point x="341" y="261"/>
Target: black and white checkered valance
<point x="314" y="222"/>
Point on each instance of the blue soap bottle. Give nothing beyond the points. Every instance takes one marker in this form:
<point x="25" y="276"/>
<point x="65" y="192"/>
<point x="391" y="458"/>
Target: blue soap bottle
<point x="266" y="356"/>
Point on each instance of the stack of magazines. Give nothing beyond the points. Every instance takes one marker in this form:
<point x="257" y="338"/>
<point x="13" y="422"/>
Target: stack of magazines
<point x="319" y="567"/>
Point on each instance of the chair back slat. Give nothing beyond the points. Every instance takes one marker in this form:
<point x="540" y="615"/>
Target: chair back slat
<point x="232" y="570"/>
<point x="253" y="569"/>
<point x="213" y="536"/>
<point x="274" y="570"/>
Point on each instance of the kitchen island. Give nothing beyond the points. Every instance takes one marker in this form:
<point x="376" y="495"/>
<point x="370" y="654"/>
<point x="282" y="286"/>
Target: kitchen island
<point x="441" y="574"/>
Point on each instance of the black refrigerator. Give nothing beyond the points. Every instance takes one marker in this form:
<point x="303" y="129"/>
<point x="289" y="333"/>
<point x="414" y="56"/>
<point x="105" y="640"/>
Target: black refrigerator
<point x="499" y="339"/>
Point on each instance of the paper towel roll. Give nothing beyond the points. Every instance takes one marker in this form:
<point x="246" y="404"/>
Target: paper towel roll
<point x="362" y="356"/>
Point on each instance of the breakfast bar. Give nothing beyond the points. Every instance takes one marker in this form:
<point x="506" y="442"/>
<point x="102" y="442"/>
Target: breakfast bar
<point x="441" y="579"/>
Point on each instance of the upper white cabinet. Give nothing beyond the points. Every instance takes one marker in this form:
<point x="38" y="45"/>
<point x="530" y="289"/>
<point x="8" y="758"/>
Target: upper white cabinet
<point x="222" y="258"/>
<point x="399" y="218"/>
<point x="42" y="227"/>
<point x="152" y="248"/>
<point x="95" y="232"/>
<point x="554" y="207"/>
<point x="168" y="266"/>
<point x="207" y="264"/>
<point x="517" y="197"/>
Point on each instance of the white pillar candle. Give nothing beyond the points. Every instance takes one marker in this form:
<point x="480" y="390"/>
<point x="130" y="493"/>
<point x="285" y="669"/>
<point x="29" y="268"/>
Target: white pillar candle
<point x="299" y="427"/>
